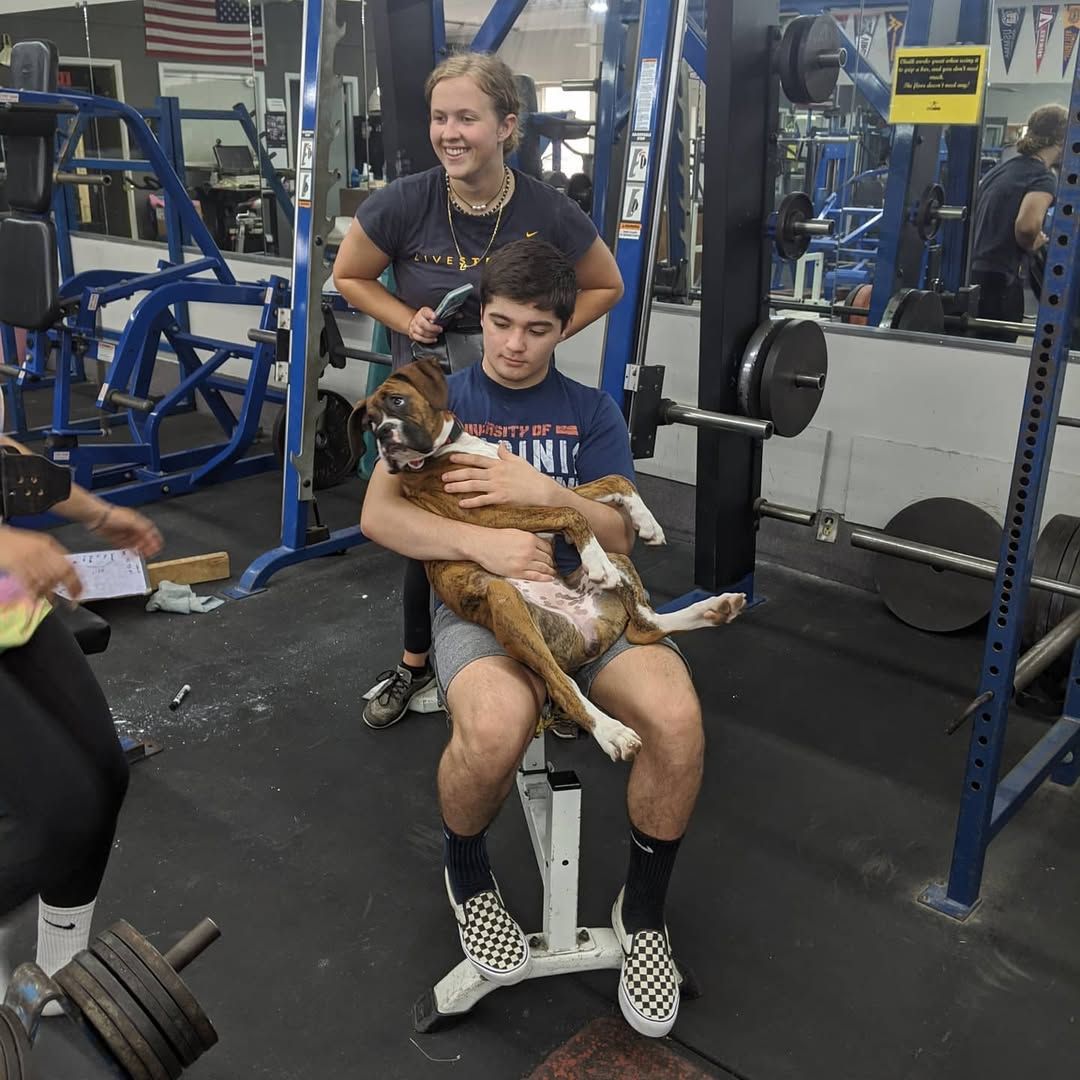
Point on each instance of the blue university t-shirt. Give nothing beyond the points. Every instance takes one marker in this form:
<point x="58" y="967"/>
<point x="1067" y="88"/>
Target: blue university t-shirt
<point x="569" y="431"/>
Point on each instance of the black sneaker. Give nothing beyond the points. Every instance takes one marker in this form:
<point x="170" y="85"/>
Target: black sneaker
<point x="397" y="688"/>
<point x="649" y="984"/>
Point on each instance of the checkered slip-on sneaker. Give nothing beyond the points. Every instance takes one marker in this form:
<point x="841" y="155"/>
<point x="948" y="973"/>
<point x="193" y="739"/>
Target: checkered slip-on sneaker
<point x="490" y="938"/>
<point x="649" y="984"/>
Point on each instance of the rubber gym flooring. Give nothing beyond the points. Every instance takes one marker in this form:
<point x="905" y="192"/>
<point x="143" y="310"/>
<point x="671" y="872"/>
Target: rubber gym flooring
<point x="829" y="802"/>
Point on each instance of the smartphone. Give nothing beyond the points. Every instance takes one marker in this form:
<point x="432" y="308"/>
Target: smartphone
<point x="451" y="303"/>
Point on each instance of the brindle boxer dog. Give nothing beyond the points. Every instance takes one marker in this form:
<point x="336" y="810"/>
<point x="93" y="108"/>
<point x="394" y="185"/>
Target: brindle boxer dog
<point x="551" y="627"/>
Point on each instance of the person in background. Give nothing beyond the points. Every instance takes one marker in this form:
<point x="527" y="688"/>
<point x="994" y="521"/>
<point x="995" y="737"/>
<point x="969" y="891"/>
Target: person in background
<point x="437" y="229"/>
<point x="63" y="775"/>
<point x="1010" y="208"/>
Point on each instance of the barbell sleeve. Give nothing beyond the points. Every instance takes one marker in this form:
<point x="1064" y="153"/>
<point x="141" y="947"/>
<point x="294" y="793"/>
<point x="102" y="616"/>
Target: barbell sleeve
<point x="192" y="944"/>
<point x="671" y="412"/>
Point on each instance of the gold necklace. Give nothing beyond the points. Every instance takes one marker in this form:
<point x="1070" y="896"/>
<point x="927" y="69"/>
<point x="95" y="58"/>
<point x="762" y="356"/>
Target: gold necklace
<point x="463" y="262"/>
<point x="478" y="207"/>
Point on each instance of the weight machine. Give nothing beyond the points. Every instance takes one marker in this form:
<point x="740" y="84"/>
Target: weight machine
<point x="67" y="311"/>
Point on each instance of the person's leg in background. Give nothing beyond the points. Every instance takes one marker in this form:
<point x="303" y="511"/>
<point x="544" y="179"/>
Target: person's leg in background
<point x="414" y="674"/>
<point x="1001" y="298"/>
<point x="63" y="777"/>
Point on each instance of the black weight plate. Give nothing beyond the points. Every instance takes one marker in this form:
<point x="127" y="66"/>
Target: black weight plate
<point x="938" y="600"/>
<point x="794" y="87"/>
<point x="748" y="387"/>
<point x="11" y="1061"/>
<point x="798" y="349"/>
<point x="166" y="1062"/>
<point x="21" y="1040"/>
<point x="333" y="454"/>
<point x="1060" y="605"/>
<point x="794" y="208"/>
<point x="142" y="985"/>
<point x="1049" y="552"/>
<point x="70" y="979"/>
<point x="822" y="36"/>
<point x="125" y="1014"/>
<point x="918" y="311"/>
<point x="926" y="221"/>
<point x="169" y="979"/>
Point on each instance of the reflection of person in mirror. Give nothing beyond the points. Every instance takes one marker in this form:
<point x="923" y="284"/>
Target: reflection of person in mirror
<point x="1010" y="209"/>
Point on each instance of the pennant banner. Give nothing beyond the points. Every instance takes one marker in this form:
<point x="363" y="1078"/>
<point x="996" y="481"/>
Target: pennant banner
<point x="1044" y="16"/>
<point x="894" y="27"/>
<point x="1072" y="32"/>
<point x="867" y="25"/>
<point x="1010" y="19"/>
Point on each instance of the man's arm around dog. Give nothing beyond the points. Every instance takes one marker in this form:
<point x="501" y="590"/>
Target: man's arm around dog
<point x="391" y="520"/>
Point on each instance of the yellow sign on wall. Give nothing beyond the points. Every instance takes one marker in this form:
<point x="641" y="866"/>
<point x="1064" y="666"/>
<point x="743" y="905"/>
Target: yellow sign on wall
<point x="939" y="85"/>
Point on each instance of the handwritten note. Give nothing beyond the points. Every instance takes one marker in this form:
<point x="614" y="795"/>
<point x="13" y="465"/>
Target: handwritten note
<point x="109" y="574"/>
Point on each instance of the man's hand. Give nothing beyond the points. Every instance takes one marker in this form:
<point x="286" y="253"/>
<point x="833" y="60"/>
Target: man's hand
<point x="512" y="553"/>
<point x="495" y="482"/>
<point x="123" y="527"/>
<point x="38" y="562"/>
<point x="423" y="327"/>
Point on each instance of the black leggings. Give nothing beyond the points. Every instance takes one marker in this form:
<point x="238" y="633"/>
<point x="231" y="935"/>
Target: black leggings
<point x="63" y="775"/>
<point x="416" y="608"/>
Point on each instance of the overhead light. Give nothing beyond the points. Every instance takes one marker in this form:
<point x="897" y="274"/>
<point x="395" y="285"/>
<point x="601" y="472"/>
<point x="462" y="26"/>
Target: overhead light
<point x="598" y="6"/>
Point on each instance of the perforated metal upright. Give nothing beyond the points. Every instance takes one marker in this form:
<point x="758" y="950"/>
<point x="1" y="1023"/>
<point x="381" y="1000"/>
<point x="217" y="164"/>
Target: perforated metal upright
<point x="987" y="803"/>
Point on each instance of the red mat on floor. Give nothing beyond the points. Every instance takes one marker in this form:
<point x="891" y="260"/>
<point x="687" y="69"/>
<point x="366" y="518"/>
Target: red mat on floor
<point x="608" y="1049"/>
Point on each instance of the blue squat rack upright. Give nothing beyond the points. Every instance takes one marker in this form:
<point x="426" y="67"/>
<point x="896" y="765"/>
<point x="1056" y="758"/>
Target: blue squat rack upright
<point x="987" y="802"/>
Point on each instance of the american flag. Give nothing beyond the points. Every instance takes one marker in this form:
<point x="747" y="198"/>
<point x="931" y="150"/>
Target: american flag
<point x="211" y="31"/>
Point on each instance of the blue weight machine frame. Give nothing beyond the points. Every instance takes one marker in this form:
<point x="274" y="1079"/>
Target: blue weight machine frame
<point x="138" y="471"/>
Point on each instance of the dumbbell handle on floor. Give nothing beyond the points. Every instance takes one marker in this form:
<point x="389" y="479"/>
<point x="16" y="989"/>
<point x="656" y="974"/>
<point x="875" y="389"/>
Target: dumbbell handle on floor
<point x="192" y="944"/>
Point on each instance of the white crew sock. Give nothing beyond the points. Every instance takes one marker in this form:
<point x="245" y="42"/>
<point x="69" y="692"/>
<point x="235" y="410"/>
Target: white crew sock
<point x="8" y="927"/>
<point x="62" y="932"/>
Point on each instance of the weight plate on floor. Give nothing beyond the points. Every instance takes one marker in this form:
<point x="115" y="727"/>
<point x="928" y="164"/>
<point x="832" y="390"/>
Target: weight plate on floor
<point x="71" y="980"/>
<point x="142" y="985"/>
<point x="169" y="979"/>
<point x="797" y="352"/>
<point x="125" y="1019"/>
<point x="938" y="600"/>
<point x="1050" y="552"/>
<point x="14" y="1047"/>
<point x="122" y="1006"/>
<point x="918" y="311"/>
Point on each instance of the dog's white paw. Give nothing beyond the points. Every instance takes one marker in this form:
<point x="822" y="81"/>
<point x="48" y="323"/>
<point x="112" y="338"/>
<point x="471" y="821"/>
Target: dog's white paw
<point x="641" y="517"/>
<point x="619" y="742"/>
<point x="722" y="609"/>
<point x="598" y="567"/>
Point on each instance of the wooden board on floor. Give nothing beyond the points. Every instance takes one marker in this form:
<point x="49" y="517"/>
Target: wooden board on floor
<point x="190" y="571"/>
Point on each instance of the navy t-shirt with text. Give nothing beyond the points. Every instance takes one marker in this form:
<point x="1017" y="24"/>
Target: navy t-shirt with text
<point x="569" y="431"/>
<point x="997" y="202"/>
<point x="408" y="221"/>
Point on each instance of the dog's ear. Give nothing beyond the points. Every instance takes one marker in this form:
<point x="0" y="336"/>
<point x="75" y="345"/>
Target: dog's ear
<point x="355" y="427"/>
<point x="427" y="376"/>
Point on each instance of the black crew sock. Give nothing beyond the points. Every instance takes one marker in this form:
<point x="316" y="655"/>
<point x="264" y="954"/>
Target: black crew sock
<point x="417" y="672"/>
<point x="651" y="863"/>
<point x="466" y="861"/>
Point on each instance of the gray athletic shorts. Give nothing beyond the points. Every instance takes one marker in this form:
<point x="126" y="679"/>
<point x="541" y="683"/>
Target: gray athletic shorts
<point x="457" y="643"/>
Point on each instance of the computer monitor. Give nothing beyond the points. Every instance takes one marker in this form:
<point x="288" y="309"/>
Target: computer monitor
<point x="235" y="160"/>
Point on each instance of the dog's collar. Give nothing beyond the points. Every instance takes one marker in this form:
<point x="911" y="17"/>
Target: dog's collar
<point x="455" y="433"/>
